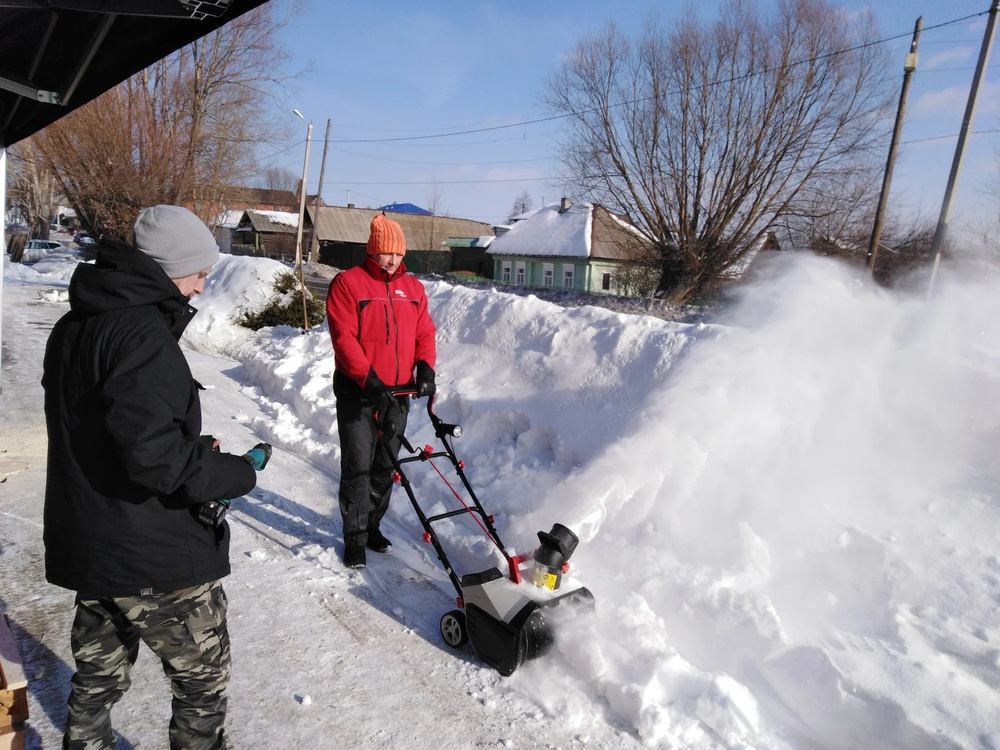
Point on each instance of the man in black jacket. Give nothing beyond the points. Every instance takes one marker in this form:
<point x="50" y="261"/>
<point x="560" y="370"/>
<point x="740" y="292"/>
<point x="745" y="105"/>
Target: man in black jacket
<point x="135" y="495"/>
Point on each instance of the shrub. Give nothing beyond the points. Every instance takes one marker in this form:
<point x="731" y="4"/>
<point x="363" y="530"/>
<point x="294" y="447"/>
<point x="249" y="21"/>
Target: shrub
<point x="285" y="307"/>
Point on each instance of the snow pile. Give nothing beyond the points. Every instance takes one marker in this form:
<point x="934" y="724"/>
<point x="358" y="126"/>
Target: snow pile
<point x="58" y="268"/>
<point x="236" y="285"/>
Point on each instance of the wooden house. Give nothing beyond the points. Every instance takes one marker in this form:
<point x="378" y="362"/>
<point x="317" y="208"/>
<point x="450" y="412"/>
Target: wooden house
<point x="343" y="231"/>
<point x="578" y="247"/>
<point x="270" y="234"/>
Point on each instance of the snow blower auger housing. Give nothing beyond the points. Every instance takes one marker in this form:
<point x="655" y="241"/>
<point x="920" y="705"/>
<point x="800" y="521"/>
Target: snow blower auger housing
<point x="507" y="617"/>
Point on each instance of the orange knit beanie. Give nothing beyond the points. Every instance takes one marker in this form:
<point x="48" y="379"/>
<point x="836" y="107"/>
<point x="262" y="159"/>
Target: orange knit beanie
<point x="386" y="237"/>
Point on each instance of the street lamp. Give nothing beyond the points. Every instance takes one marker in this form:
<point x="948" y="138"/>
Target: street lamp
<point x="302" y="214"/>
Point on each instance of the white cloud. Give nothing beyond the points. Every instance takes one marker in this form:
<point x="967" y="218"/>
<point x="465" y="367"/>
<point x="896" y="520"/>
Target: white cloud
<point x="953" y="100"/>
<point x="956" y="54"/>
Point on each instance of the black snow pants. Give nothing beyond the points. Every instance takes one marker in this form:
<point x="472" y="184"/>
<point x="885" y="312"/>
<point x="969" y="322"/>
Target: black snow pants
<point x="366" y="471"/>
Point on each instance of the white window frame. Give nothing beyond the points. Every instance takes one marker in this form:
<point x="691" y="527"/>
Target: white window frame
<point x="569" y="275"/>
<point x="520" y="273"/>
<point x="548" y="274"/>
<point x="505" y="271"/>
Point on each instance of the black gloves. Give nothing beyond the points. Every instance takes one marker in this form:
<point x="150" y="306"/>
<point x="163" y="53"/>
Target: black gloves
<point x="424" y="379"/>
<point x="388" y="413"/>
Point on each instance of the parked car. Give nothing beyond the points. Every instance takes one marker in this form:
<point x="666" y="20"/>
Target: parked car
<point x="35" y="250"/>
<point x="84" y="240"/>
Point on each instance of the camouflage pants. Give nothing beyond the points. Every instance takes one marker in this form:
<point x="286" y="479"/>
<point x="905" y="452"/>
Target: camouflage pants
<point x="186" y="629"/>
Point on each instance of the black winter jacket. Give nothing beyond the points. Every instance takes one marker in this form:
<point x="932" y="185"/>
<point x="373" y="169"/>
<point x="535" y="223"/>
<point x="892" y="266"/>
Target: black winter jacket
<point x="127" y="465"/>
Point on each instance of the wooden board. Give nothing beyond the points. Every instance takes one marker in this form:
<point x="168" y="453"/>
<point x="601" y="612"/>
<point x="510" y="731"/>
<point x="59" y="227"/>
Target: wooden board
<point x="11" y="670"/>
<point x="12" y="738"/>
<point x="13" y="690"/>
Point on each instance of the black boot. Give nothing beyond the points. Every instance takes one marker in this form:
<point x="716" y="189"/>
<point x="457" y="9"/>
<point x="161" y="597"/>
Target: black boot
<point x="377" y="542"/>
<point x="354" y="555"/>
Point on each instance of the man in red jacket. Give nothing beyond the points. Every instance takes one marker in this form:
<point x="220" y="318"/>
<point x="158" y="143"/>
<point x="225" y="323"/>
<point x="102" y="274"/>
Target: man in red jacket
<point x="383" y="336"/>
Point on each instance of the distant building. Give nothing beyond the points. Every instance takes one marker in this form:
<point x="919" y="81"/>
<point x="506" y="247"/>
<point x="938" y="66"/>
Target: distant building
<point x="405" y="208"/>
<point x="568" y="246"/>
<point x="270" y="234"/>
<point x="343" y="231"/>
<point x="469" y="256"/>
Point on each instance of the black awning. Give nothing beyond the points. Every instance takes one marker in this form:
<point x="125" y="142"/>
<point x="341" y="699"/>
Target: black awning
<point x="57" y="55"/>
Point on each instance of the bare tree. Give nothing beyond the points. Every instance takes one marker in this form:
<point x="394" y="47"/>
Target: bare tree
<point x="522" y="204"/>
<point x="707" y="135"/>
<point x="183" y="131"/>
<point x="279" y="178"/>
<point x="32" y="188"/>
<point x="437" y="259"/>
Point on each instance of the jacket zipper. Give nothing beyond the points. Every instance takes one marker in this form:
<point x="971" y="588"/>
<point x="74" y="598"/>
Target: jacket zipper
<point x="395" y="323"/>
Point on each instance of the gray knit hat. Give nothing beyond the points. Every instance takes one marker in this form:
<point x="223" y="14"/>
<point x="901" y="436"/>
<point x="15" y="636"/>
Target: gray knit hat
<point x="176" y="239"/>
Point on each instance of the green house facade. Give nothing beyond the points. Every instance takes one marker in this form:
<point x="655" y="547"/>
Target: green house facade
<point x="583" y="274"/>
<point x="565" y="246"/>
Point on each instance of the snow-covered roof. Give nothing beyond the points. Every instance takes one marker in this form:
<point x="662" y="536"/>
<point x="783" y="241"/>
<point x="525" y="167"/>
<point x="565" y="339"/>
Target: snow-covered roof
<point x="227" y="219"/>
<point x="578" y="231"/>
<point x="281" y="222"/>
<point x="280" y="217"/>
<point x="548" y="232"/>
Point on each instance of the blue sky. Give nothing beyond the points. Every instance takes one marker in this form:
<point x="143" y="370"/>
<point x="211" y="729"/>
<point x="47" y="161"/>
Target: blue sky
<point x="398" y="70"/>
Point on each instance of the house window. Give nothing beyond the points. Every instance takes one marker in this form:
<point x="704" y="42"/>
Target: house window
<point x="519" y="273"/>
<point x="568" y="276"/>
<point x="505" y="272"/>
<point x="606" y="282"/>
<point x="548" y="271"/>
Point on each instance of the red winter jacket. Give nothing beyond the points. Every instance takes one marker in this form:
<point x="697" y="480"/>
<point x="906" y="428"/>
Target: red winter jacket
<point x="381" y="322"/>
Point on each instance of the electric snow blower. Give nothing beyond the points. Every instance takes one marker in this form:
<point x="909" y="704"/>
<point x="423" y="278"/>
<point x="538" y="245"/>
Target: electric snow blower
<point x="508" y="618"/>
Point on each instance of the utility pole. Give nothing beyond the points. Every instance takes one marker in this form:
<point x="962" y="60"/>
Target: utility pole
<point x="909" y="65"/>
<point x="298" y="239"/>
<point x="314" y="245"/>
<point x="956" y="164"/>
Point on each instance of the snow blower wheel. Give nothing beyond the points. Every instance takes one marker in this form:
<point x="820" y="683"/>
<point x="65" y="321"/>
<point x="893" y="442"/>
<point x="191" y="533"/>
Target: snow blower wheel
<point x="453" y="628"/>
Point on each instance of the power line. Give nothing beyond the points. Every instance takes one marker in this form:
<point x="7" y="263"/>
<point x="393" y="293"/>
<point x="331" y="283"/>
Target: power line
<point x="444" y="182"/>
<point x="441" y="163"/>
<point x="552" y="118"/>
<point x="952" y="135"/>
<point x="538" y="120"/>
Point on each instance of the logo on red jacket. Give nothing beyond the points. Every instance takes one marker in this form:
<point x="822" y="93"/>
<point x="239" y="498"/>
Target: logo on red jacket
<point x="400" y="292"/>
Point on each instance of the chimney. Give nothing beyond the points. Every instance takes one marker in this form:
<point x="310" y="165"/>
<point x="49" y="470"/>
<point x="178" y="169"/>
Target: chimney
<point x="564" y="205"/>
<point x="350" y="205"/>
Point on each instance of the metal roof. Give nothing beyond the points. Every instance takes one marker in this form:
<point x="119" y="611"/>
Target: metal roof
<point x="57" y="55"/>
<point x="275" y="222"/>
<point x="422" y="232"/>
<point x="404" y="208"/>
<point x="612" y="237"/>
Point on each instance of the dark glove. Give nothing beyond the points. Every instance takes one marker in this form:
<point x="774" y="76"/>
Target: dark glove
<point x="258" y="456"/>
<point x="213" y="513"/>
<point x="425" y="380"/>
<point x="388" y="414"/>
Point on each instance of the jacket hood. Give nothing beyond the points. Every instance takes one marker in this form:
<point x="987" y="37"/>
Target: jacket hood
<point x="121" y="277"/>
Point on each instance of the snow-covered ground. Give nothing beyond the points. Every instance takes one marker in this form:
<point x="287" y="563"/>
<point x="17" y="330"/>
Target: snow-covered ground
<point x="788" y="519"/>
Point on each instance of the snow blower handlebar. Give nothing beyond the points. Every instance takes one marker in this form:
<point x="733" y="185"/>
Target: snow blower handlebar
<point x="444" y="431"/>
<point x="441" y="428"/>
